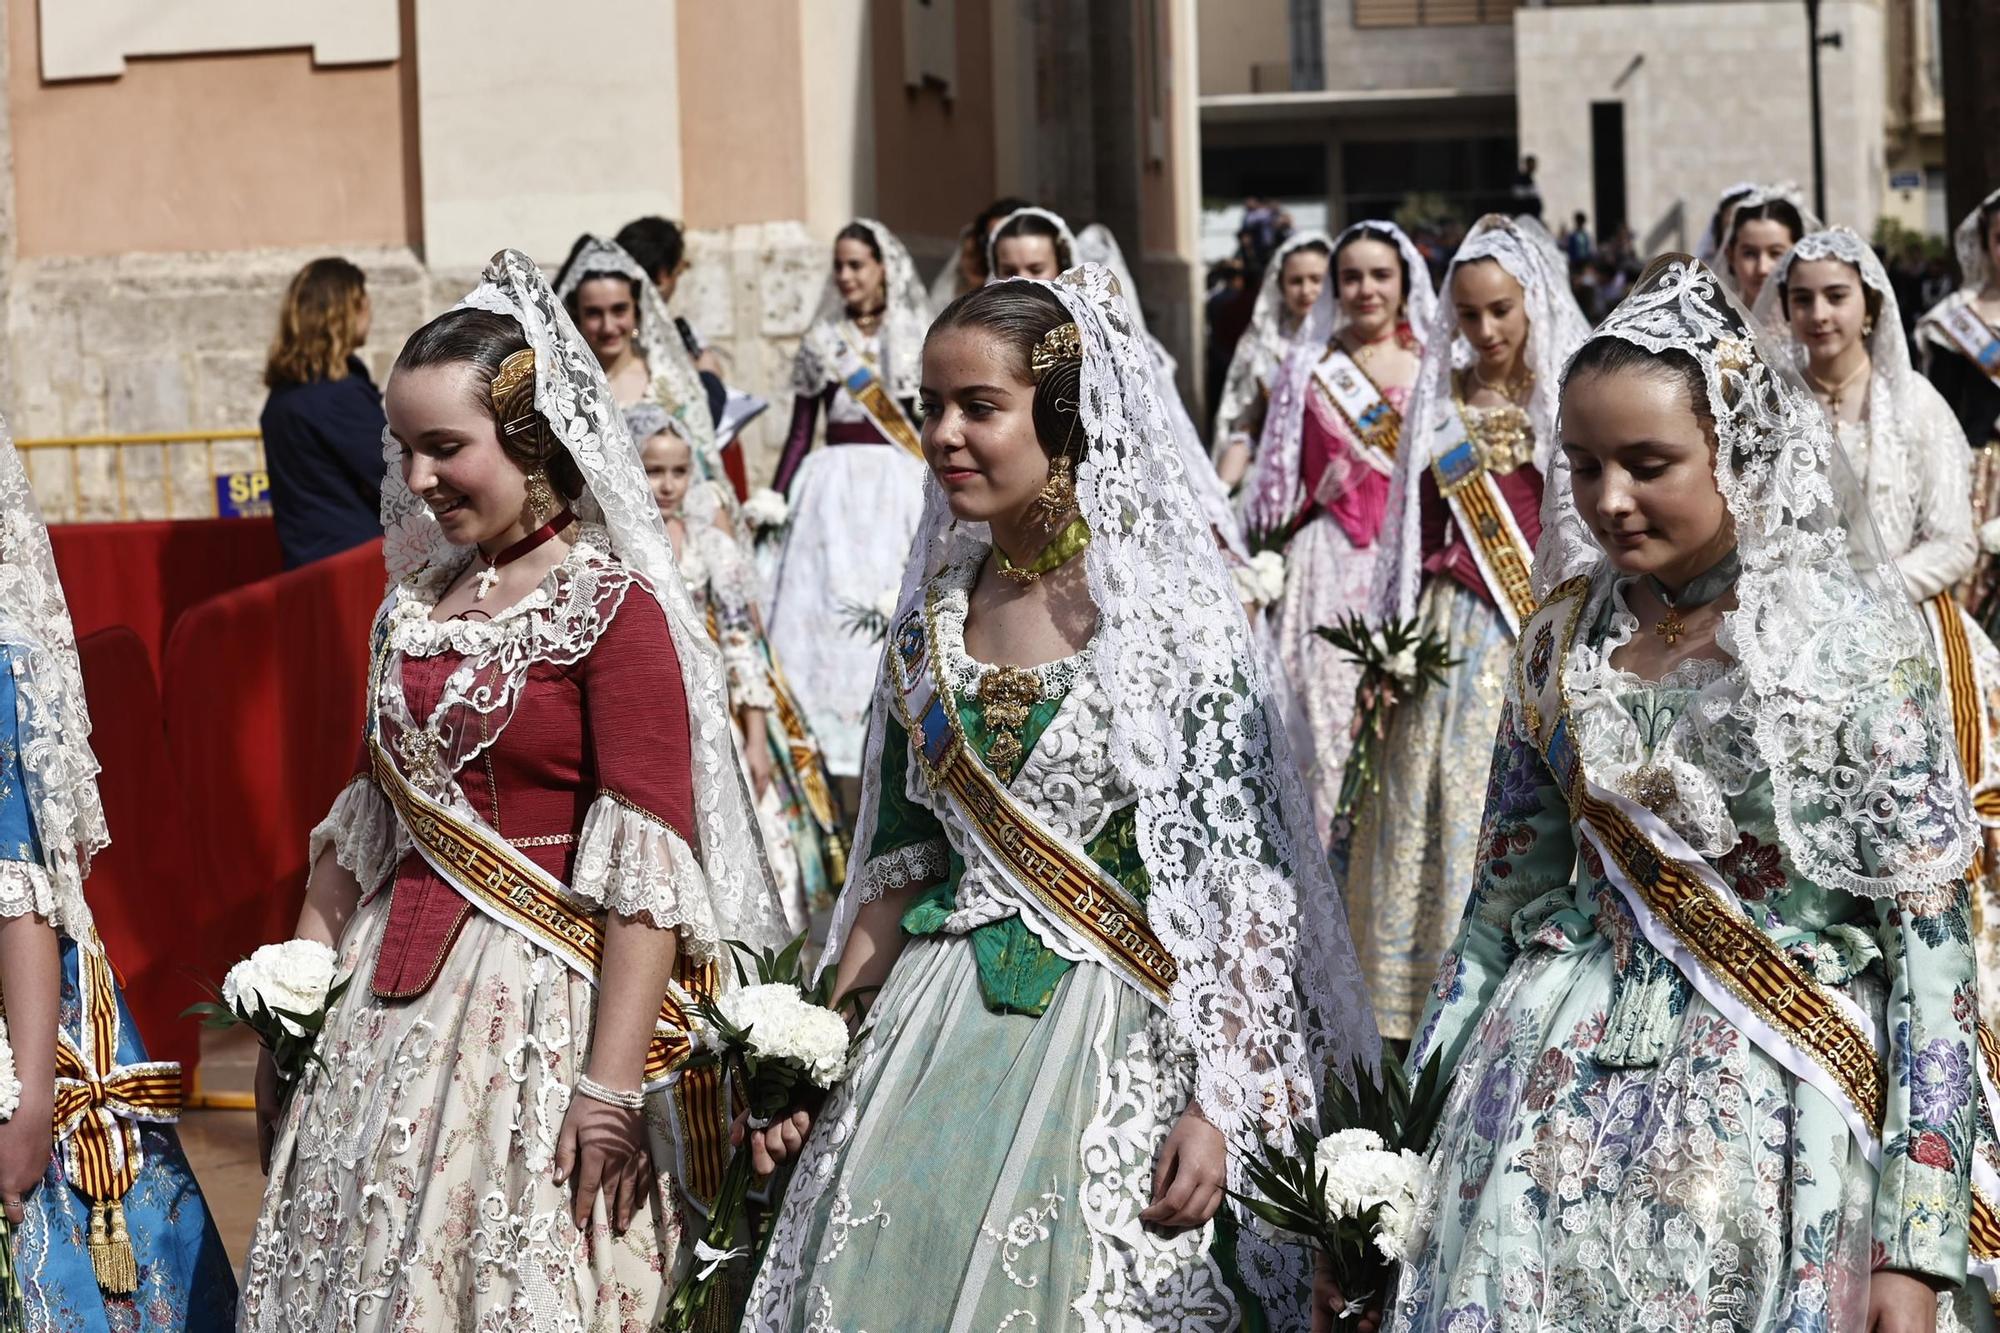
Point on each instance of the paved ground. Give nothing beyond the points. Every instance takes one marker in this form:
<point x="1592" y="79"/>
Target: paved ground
<point x="222" y="1148"/>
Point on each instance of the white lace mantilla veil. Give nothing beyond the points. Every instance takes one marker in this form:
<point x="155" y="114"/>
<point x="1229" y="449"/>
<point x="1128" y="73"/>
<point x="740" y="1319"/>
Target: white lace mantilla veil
<point x="904" y="323"/>
<point x="1064" y="235"/>
<point x="571" y="393"/>
<point x="1276" y="489"/>
<point x="1975" y="270"/>
<point x="667" y="359"/>
<point x="1096" y="240"/>
<point x="1709" y="246"/>
<point x="1556" y="328"/>
<point x="53" y="741"/>
<point x="1248" y="364"/>
<point x="1269" y="996"/>
<point x="1833" y="691"/>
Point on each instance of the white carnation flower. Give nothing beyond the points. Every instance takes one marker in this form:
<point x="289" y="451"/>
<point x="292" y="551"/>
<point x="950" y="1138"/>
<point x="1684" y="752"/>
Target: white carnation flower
<point x="1403" y="666"/>
<point x="294" y="976"/>
<point x="1989" y="536"/>
<point x="884" y="604"/>
<point x="766" y="509"/>
<point x="784" y="1025"/>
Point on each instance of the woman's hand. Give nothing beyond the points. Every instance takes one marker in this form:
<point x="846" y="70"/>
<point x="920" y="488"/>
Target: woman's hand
<point x="775" y="1144"/>
<point x="604" y="1148"/>
<point x="1188" y="1179"/>
<point x="1328" y="1303"/>
<point x="1900" y="1303"/>
<point x="26" y="1141"/>
<point x="1233" y="464"/>
<point x="757" y="751"/>
<point x="267" y="1106"/>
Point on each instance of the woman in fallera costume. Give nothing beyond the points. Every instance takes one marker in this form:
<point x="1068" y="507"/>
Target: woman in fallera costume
<point x="110" y="1231"/>
<point x="1325" y="479"/>
<point x="856" y="500"/>
<point x="723" y="585"/>
<point x="1293" y="281"/>
<point x="1832" y="304"/>
<point x="1722" y="858"/>
<point x="1040" y="1123"/>
<point x="1464" y="510"/>
<point x="1959" y="339"/>
<point x="531" y="873"/>
<point x="1765" y="223"/>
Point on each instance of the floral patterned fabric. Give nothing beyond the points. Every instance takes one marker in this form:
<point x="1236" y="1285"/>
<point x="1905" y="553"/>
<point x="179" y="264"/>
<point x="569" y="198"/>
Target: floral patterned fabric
<point x="1615" y="1153"/>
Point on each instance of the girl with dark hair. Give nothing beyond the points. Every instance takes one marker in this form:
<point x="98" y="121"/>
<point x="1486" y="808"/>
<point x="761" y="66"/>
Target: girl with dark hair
<point x="1292" y="283"/>
<point x="1109" y="956"/>
<point x="322" y="423"/>
<point x="1765" y="224"/>
<point x="1709" y="1014"/>
<point x="1031" y="243"/>
<point x="1330" y="438"/>
<point x="856" y="500"/>
<point x="528" y="879"/>
<point x="1960" y="338"/>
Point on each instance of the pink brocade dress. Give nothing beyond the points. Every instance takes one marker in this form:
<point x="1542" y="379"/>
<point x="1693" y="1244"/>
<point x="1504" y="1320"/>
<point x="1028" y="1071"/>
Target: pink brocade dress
<point x="1329" y="572"/>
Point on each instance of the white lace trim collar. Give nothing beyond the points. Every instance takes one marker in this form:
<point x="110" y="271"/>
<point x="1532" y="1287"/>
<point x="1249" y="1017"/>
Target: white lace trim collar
<point x="953" y="587"/>
<point x="543" y="613"/>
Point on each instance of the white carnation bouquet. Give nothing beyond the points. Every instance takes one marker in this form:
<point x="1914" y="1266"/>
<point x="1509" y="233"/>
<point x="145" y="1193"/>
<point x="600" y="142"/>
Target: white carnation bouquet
<point x="1398" y="662"/>
<point x="767" y="513"/>
<point x="779" y="1043"/>
<point x="13" y="1306"/>
<point x="282" y="992"/>
<point x="1352" y="1192"/>
<point x="1262" y="581"/>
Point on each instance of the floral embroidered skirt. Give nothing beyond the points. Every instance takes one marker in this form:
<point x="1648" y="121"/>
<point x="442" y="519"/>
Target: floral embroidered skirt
<point x="856" y="508"/>
<point x="984" y="1171"/>
<point x="185" y="1282"/>
<point x="412" y="1184"/>
<point x="1326" y="577"/>
<point x="1708" y="1190"/>
<point x="1416" y="840"/>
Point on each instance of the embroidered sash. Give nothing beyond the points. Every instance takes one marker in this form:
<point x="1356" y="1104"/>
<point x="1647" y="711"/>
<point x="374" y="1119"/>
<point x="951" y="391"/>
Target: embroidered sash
<point x="864" y="386"/>
<point x="1980" y="344"/>
<point x="1968" y="711"/>
<point x="1498" y="545"/>
<point x="1374" y="421"/>
<point x="1051" y="877"/>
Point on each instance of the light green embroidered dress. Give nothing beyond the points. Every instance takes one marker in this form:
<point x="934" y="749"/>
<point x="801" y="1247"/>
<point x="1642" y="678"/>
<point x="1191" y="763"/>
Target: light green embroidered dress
<point x="985" y="1164"/>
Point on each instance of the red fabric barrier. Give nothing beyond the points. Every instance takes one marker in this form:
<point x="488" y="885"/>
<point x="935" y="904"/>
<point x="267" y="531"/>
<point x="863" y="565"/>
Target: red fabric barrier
<point x="146" y="575"/>
<point x="144" y="887"/>
<point x="263" y="692"/>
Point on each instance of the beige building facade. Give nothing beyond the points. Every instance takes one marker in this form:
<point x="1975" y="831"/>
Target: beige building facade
<point x="165" y="169"/>
<point x="1638" y="113"/>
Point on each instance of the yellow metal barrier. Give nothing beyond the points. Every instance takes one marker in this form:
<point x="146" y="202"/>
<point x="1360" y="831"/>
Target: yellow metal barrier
<point x="164" y="441"/>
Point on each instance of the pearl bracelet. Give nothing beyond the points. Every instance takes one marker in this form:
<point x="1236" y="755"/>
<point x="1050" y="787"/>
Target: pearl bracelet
<point x="586" y="1086"/>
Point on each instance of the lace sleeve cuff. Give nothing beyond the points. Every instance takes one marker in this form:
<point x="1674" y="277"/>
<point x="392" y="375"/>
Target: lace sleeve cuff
<point x="364" y="833"/>
<point x="631" y="863"/>
<point x="920" y="863"/>
<point x="27" y="888"/>
<point x="749" y="683"/>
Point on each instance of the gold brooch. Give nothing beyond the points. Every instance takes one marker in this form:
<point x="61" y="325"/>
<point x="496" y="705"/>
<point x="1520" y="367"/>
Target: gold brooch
<point x="1007" y="695"/>
<point x="1734" y="353"/>
<point x="1062" y="343"/>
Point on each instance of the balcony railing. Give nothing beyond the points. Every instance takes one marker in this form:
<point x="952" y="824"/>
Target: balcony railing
<point x="1430" y="13"/>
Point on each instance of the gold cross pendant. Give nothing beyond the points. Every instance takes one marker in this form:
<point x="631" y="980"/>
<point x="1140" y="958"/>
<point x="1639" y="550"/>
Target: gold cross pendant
<point x="1670" y="626"/>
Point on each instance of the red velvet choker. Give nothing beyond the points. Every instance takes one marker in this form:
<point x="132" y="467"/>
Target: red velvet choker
<point x="495" y="563"/>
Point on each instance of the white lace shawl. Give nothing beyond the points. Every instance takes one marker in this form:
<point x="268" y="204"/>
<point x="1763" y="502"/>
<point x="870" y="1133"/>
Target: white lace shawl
<point x="1269" y="996"/>
<point x="721" y="579"/>
<point x="53" y="721"/>
<point x="1912" y="455"/>
<point x="904" y="321"/>
<point x="571" y="392"/>
<point x="1253" y="366"/>
<point x="1277" y="487"/>
<point x="1556" y="328"/>
<point x="1975" y="271"/>
<point x="1833" y="680"/>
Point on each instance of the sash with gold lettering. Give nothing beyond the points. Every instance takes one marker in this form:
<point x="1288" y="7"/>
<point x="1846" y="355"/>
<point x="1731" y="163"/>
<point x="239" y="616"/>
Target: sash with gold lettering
<point x="1499" y="547"/>
<point x="864" y="386"/>
<point x="1969" y="333"/>
<point x="1049" y="876"/>
<point x="1374" y="421"/>
<point x="1946" y="622"/>
<point x="1815" y="1031"/>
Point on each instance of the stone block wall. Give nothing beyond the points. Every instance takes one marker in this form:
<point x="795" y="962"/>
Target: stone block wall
<point x="155" y="343"/>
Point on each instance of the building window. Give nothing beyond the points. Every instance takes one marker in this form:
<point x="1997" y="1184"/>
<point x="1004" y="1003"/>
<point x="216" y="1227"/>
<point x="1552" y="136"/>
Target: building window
<point x="1308" y="72"/>
<point x="1430" y="13"/>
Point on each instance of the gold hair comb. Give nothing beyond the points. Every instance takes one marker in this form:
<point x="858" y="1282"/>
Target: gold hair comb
<point x="513" y="372"/>
<point x="1062" y="343"/>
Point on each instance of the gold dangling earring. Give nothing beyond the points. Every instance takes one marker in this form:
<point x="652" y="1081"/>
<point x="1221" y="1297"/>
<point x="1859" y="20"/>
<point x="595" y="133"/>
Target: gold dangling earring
<point x="541" y="496"/>
<point x="1058" y="495"/>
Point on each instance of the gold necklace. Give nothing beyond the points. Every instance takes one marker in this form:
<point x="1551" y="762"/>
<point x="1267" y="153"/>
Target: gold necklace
<point x="1060" y="551"/>
<point x="1513" y="392"/>
<point x="1833" y="393"/>
<point x="1364" y="352"/>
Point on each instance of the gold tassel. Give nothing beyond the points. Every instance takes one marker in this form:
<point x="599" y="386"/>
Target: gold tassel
<point x="111" y="1250"/>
